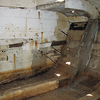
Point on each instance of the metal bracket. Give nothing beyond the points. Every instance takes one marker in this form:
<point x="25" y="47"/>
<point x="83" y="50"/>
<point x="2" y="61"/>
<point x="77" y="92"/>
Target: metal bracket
<point x="51" y="59"/>
<point x="62" y="32"/>
<point x="56" y="49"/>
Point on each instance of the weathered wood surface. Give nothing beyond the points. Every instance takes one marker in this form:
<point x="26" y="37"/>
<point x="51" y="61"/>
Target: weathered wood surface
<point x="84" y="50"/>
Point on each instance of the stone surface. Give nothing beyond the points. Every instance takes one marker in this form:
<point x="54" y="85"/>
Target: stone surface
<point x="82" y="5"/>
<point x="26" y="29"/>
<point x="31" y="28"/>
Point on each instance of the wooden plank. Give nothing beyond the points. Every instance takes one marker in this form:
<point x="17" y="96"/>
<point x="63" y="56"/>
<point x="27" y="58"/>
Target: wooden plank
<point x="46" y="96"/>
<point x="63" y="95"/>
<point x="84" y="50"/>
<point x="56" y="43"/>
<point x="15" y="45"/>
<point x="50" y="96"/>
<point x="44" y="45"/>
<point x="35" y="98"/>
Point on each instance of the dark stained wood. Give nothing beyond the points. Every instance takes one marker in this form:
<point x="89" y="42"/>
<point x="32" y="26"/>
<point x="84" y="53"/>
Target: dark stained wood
<point x="56" y="43"/>
<point x="15" y="45"/>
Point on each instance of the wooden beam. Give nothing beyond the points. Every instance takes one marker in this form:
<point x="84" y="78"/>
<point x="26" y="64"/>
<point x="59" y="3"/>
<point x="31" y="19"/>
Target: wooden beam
<point x="56" y="43"/>
<point x="15" y="45"/>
